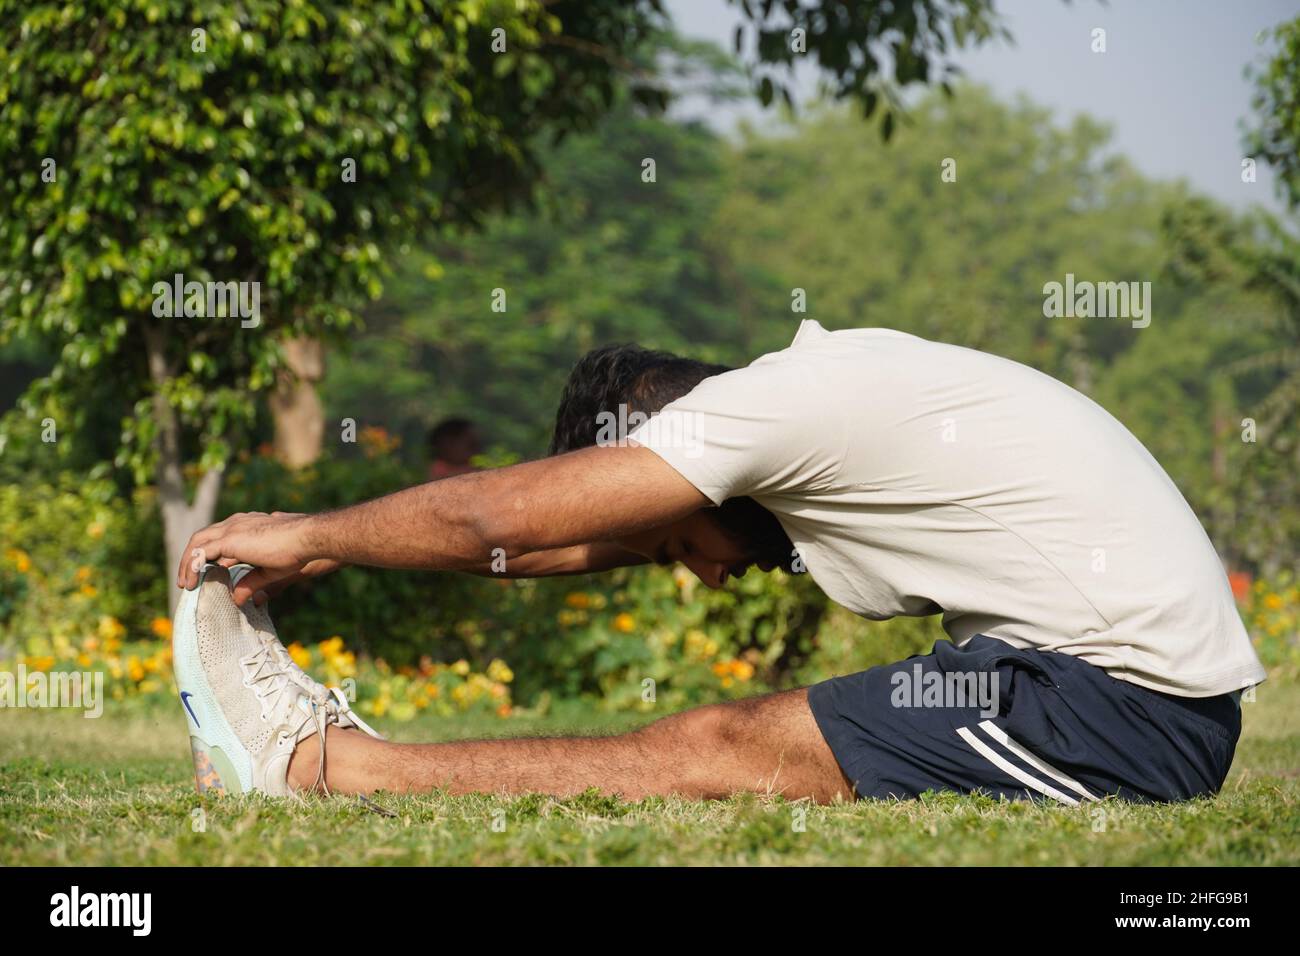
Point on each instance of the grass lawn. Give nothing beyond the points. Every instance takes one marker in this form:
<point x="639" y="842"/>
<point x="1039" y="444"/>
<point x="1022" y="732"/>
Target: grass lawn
<point x="119" y="790"/>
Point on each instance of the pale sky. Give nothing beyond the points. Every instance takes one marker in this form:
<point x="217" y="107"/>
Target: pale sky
<point x="1170" y="83"/>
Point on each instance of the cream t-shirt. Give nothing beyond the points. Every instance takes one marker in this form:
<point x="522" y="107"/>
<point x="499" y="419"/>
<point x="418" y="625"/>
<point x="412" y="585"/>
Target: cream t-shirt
<point x="916" y="478"/>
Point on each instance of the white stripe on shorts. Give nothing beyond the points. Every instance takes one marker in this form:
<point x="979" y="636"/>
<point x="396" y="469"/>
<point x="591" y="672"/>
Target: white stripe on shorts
<point x="1006" y="766"/>
<point x="1042" y="766"/>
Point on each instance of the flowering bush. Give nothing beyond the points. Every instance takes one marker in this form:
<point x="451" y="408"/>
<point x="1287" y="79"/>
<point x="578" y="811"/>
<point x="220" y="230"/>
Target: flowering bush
<point x="74" y="552"/>
<point x="1271" y="610"/>
<point x="401" y="694"/>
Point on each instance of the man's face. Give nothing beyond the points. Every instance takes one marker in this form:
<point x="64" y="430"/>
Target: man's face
<point x="698" y="542"/>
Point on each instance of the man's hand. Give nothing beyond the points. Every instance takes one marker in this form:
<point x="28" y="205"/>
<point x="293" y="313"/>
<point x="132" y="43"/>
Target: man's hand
<point x="275" y="544"/>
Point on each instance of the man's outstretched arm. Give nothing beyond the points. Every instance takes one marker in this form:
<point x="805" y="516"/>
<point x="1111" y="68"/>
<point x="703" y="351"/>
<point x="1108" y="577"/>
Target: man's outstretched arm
<point x="457" y="523"/>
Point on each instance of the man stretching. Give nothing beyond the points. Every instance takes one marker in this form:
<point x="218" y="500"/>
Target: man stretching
<point x="909" y="477"/>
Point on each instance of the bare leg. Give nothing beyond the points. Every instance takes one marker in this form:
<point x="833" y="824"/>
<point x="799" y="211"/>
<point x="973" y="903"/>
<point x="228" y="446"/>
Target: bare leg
<point x="765" y="744"/>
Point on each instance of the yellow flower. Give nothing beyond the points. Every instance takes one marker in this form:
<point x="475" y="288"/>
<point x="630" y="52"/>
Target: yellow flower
<point x="20" y="559"/>
<point x="498" y="671"/>
<point x="344" y="665"/>
<point x="460" y="668"/>
<point x="578" y="599"/>
<point x="95" y="530"/>
<point x="301" y="656"/>
<point x="161" y="627"/>
<point x="1273" y="602"/>
<point x="110" y="628"/>
<point x="625" y="622"/>
<point x="83" y="660"/>
<point x="39" y="663"/>
<point x="84" y="573"/>
<point x="331" y="646"/>
<point x="134" y="669"/>
<point x="88" y="590"/>
<point x="742" y="669"/>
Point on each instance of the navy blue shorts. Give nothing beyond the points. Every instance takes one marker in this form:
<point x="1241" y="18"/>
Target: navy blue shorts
<point x="987" y="717"/>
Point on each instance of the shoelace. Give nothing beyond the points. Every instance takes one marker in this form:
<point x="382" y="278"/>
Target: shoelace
<point x="268" y="677"/>
<point x="332" y="710"/>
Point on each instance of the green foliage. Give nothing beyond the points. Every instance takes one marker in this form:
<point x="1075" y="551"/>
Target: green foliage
<point x="870" y="51"/>
<point x="212" y="143"/>
<point x="1275" y="136"/>
<point x="75" y="552"/>
<point x="605" y="257"/>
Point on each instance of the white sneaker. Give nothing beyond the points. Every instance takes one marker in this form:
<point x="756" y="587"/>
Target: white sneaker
<point x="248" y="705"/>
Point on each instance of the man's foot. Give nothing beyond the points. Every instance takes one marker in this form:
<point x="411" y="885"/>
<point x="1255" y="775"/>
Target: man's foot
<point x="247" y="704"/>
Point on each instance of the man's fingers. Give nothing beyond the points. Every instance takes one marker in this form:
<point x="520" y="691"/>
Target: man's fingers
<point x="263" y="579"/>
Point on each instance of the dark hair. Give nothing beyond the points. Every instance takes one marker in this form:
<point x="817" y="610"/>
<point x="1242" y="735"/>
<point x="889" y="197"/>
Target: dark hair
<point x="642" y="379"/>
<point x="645" y="380"/>
<point x="445" y="431"/>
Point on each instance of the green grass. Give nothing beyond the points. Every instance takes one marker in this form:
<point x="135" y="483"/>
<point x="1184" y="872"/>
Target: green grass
<point x="118" y="790"/>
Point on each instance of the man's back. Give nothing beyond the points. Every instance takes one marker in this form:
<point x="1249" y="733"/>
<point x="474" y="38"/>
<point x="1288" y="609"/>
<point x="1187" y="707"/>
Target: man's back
<point x="915" y="477"/>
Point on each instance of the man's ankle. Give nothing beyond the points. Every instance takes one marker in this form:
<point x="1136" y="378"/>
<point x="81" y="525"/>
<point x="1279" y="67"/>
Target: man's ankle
<point x="304" y="764"/>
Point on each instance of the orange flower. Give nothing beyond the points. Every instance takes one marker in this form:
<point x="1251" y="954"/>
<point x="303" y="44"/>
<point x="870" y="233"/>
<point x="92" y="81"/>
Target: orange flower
<point x="625" y="622"/>
<point x="301" y="656"/>
<point x="578" y="599"/>
<point x="162" y="628"/>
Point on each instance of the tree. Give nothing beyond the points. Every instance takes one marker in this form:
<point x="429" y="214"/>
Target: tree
<point x="1275" y="137"/>
<point x="266" y="152"/>
<point x="189" y="189"/>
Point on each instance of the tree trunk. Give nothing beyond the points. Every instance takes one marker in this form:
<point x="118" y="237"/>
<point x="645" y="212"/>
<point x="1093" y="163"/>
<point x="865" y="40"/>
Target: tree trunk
<point x="296" y="407"/>
<point x="180" y="518"/>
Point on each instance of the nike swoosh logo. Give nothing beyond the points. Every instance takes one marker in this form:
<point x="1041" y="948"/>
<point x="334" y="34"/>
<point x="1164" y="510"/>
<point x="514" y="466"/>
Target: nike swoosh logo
<point x="184" y="695"/>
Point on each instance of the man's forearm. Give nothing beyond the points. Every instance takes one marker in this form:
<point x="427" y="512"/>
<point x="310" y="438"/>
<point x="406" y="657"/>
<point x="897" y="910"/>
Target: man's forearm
<point x="459" y="523"/>
<point x="431" y="526"/>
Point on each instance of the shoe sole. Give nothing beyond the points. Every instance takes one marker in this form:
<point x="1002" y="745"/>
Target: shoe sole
<point x="221" y="763"/>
